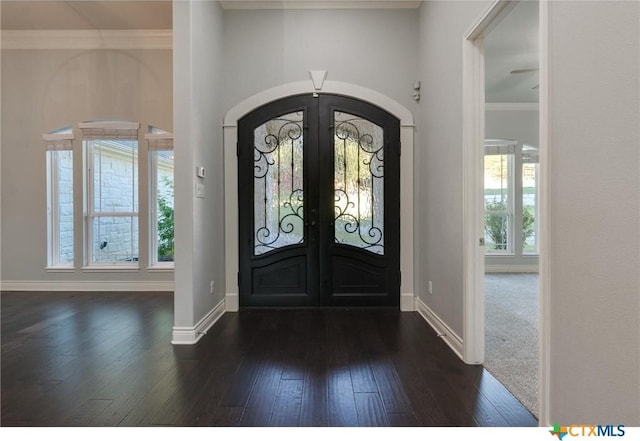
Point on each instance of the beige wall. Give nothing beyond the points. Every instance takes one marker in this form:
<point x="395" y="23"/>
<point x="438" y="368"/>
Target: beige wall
<point x="43" y="90"/>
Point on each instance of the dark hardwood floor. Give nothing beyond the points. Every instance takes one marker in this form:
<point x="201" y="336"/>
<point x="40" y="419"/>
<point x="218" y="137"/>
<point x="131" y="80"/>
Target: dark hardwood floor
<point x="105" y="359"/>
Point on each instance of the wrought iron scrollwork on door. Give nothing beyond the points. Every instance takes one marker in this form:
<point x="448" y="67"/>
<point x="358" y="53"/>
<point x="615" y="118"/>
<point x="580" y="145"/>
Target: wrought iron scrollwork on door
<point x="278" y="183"/>
<point x="359" y="182"/>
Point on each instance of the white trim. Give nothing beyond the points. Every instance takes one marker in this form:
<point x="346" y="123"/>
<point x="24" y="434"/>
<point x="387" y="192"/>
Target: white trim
<point x="161" y="268"/>
<point x="407" y="302"/>
<point x="87" y="39"/>
<point x="441" y="328"/>
<point x="58" y="136"/>
<point x="512" y="106"/>
<point x="473" y="106"/>
<point x="333" y="87"/>
<point x="510" y="268"/>
<point x="315" y="4"/>
<point x="160" y="136"/>
<point x="60" y="269"/>
<point x="189" y="335"/>
<point x="473" y="125"/>
<point x="473" y="208"/>
<point x="80" y="285"/>
<point x="330" y="87"/>
<point x="111" y="268"/>
<point x="544" y="418"/>
<point x="232" y="300"/>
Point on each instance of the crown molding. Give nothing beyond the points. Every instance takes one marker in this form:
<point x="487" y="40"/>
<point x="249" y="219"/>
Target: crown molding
<point x="86" y="39"/>
<point x="315" y="4"/>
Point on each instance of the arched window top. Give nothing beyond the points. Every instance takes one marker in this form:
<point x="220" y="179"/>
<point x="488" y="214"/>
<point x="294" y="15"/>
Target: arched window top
<point x="59" y="139"/>
<point x="153" y="130"/>
<point x="159" y="139"/>
<point x="66" y="130"/>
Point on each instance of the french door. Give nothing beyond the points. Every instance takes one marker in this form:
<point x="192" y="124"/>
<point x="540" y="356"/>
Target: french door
<point x="319" y="204"/>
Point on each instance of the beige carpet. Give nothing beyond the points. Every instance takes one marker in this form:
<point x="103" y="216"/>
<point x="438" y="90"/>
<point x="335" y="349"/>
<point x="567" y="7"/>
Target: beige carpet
<point x="511" y="334"/>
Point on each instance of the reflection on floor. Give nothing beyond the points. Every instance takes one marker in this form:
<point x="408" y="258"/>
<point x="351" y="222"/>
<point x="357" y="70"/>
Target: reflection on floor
<point x="511" y="334"/>
<point x="105" y="359"/>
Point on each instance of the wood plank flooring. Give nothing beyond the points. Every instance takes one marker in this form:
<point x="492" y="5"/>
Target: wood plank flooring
<point x="105" y="359"/>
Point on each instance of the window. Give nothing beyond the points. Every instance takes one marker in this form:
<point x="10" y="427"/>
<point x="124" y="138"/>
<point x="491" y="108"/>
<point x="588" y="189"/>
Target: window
<point x="111" y="193"/>
<point x="511" y="198"/>
<point x="59" y="146"/>
<point x="110" y="227"/>
<point x="498" y="196"/>
<point x="530" y="170"/>
<point x="161" y="197"/>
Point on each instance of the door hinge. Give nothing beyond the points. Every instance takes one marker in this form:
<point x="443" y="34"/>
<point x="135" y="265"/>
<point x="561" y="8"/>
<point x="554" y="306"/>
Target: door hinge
<point x="237" y="149"/>
<point x="238" y="278"/>
<point x="481" y="241"/>
<point x="400" y="277"/>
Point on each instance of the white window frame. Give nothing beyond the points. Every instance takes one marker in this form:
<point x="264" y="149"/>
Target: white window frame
<point x="60" y="140"/>
<point x="531" y="151"/>
<point x="157" y="140"/>
<point x="508" y="148"/>
<point x="110" y="129"/>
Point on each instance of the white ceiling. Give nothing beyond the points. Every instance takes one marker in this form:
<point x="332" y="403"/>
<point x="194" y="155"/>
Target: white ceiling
<point x="512" y="44"/>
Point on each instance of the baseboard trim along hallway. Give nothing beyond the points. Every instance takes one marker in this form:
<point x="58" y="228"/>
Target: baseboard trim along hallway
<point x="441" y="328"/>
<point x="189" y="335"/>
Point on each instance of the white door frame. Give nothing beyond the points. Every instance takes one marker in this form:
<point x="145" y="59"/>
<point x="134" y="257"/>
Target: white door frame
<point x="473" y="210"/>
<point x="407" y="300"/>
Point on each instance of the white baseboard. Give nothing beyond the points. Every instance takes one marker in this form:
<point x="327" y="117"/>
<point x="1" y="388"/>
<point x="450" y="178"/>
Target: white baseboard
<point x="189" y="335"/>
<point x="441" y="328"/>
<point x="407" y="302"/>
<point x="82" y="285"/>
<point x="232" y="302"/>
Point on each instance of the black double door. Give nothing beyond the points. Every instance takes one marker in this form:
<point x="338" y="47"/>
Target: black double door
<point x="319" y="204"/>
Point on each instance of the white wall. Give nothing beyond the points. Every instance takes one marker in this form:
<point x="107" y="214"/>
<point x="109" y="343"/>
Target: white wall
<point x="43" y="90"/>
<point x="595" y="212"/>
<point x="521" y="125"/>
<point x="375" y="49"/>
<point x="198" y="119"/>
<point x="439" y="158"/>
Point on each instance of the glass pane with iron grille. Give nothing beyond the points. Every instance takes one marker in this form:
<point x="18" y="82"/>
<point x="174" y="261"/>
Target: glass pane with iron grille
<point x="359" y="183"/>
<point x="278" y="183"/>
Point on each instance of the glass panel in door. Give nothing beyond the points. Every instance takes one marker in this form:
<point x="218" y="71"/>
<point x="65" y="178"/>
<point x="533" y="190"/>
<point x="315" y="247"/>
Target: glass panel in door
<point x="278" y="183"/>
<point x="359" y="183"/>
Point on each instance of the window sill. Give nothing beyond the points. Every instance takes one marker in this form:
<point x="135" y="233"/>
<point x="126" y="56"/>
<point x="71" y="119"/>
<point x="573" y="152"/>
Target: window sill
<point x="110" y="269"/>
<point x="160" y="268"/>
<point x="60" y="269"/>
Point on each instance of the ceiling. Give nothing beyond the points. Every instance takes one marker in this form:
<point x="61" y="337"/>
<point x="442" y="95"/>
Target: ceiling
<point x="511" y="45"/>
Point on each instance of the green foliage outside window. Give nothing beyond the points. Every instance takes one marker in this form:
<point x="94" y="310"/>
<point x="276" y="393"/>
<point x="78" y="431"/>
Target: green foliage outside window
<point x="495" y="225"/>
<point x="166" y="247"/>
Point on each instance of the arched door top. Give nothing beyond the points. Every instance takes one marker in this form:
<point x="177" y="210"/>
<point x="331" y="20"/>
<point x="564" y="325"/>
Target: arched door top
<point x="329" y="87"/>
